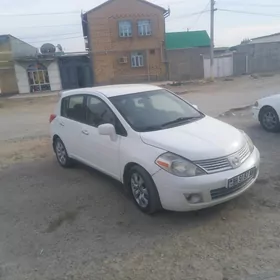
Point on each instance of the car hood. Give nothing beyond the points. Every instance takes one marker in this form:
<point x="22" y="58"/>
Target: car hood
<point x="203" y="139"/>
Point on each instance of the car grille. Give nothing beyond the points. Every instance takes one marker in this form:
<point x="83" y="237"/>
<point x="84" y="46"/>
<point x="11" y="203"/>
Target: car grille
<point x="222" y="192"/>
<point x="223" y="163"/>
<point x="243" y="153"/>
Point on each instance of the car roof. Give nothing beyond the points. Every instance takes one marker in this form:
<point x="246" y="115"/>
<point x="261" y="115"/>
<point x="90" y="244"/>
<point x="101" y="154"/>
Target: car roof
<point x="112" y="90"/>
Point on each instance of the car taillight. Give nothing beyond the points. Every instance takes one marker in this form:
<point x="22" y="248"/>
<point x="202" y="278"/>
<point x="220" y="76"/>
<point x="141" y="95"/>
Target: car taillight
<point x="52" y="117"/>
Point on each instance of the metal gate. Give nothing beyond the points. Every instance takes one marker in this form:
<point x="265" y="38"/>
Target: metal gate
<point x="223" y="66"/>
<point x="75" y="71"/>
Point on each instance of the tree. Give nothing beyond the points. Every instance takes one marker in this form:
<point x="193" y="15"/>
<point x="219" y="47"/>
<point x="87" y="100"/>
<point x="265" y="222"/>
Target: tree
<point x="245" y="41"/>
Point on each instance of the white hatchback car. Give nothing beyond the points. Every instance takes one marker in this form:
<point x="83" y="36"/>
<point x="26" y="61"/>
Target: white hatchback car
<point x="166" y="152"/>
<point x="267" y="112"/>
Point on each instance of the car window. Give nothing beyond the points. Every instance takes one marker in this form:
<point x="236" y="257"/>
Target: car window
<point x="98" y="112"/>
<point x="73" y="108"/>
<point x="155" y="110"/>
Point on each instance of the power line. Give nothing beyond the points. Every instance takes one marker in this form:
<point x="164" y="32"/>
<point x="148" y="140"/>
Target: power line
<point x="187" y="15"/>
<point x="251" y="4"/>
<point x="54" y="35"/>
<point x="40" y="14"/>
<point x="58" y="39"/>
<point x="248" y="13"/>
<point x="200" y="14"/>
<point x="47" y="26"/>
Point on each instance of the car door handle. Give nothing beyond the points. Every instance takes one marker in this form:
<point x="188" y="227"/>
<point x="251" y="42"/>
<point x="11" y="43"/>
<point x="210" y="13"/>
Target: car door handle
<point x="61" y="123"/>
<point x="85" y="132"/>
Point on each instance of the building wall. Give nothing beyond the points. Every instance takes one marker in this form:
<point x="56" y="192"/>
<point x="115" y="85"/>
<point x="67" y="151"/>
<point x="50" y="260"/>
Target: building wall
<point x="108" y="47"/>
<point x="186" y="64"/>
<point x="268" y="39"/>
<point x="263" y="57"/>
<point x="21" y="49"/>
<point x="8" y="82"/>
<point x="5" y="52"/>
<point x="22" y="79"/>
<point x="54" y="76"/>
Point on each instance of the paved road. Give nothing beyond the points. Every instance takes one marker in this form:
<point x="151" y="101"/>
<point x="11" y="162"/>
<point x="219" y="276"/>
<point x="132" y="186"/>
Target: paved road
<point x="77" y="224"/>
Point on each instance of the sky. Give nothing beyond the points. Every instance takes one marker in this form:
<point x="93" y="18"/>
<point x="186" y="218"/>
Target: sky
<point x="251" y="18"/>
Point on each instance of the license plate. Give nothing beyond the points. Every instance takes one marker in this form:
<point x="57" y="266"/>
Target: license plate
<point x="241" y="178"/>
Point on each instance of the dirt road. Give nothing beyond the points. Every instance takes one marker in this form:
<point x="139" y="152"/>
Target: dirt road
<point x="78" y="224"/>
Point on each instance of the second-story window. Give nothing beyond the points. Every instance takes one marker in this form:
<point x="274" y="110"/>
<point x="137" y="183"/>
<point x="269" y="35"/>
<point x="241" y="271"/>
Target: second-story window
<point x="144" y="28"/>
<point x="125" y="28"/>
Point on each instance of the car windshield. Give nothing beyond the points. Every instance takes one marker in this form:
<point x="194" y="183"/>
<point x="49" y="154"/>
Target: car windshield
<point x="154" y="110"/>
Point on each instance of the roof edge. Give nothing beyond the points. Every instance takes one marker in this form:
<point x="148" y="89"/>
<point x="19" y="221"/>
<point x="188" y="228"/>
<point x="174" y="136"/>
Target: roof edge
<point x="274" y="34"/>
<point x="143" y="1"/>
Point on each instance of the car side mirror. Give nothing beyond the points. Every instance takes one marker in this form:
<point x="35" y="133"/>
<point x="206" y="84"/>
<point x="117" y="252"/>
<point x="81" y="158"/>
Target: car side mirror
<point x="195" y="106"/>
<point x="109" y="130"/>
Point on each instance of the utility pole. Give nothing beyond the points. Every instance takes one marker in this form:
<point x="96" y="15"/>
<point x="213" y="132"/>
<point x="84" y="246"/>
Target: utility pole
<point x="212" y="39"/>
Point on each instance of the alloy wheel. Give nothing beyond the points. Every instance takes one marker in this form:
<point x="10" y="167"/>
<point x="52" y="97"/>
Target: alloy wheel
<point x="61" y="152"/>
<point x="270" y="120"/>
<point x="139" y="190"/>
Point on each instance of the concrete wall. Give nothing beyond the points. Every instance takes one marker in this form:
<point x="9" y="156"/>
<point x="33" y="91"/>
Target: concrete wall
<point x="22" y="79"/>
<point x="240" y="64"/>
<point x="21" y="49"/>
<point x="108" y="47"/>
<point x="5" y="52"/>
<point x="54" y="76"/>
<point x="267" y="39"/>
<point x="263" y="57"/>
<point x="8" y="81"/>
<point x="186" y="64"/>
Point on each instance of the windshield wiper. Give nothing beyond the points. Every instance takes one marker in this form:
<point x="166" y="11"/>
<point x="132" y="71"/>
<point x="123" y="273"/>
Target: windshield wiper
<point x="181" y="119"/>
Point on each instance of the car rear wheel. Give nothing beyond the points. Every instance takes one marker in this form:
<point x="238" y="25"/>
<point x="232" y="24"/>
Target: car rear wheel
<point x="269" y="119"/>
<point x="143" y="190"/>
<point x="61" y="154"/>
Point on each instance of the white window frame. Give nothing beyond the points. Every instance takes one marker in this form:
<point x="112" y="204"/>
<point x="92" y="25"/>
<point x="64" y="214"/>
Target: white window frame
<point x="137" y="59"/>
<point x="125" y="28"/>
<point x="35" y="71"/>
<point x="144" y="27"/>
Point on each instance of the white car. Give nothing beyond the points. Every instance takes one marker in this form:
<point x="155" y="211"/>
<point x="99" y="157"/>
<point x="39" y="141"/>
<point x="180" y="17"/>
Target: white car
<point x="166" y="152"/>
<point x="267" y="112"/>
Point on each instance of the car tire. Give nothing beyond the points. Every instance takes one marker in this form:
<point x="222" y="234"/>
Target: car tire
<point x="143" y="190"/>
<point x="269" y="119"/>
<point x="61" y="154"/>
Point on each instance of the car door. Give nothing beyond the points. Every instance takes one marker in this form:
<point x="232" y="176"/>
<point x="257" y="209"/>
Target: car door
<point x="71" y="120"/>
<point x="100" y="151"/>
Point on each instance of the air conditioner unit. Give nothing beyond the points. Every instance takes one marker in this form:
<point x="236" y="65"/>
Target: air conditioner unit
<point x="123" y="60"/>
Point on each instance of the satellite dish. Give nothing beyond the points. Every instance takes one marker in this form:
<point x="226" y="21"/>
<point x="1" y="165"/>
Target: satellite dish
<point x="47" y="48"/>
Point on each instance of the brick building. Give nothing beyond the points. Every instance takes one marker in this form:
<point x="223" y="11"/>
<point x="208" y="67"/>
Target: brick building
<point x="126" y="41"/>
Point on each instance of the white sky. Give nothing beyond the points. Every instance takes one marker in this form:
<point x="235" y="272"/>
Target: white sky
<point x="230" y="28"/>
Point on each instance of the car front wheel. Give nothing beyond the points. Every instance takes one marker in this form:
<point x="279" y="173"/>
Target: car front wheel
<point x="143" y="190"/>
<point x="269" y="119"/>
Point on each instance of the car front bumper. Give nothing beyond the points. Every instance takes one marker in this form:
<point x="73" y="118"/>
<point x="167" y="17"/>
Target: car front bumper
<point x="173" y="190"/>
<point x="255" y="111"/>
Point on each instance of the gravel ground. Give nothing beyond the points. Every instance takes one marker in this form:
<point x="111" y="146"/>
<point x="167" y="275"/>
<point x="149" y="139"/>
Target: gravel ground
<point x="78" y="224"/>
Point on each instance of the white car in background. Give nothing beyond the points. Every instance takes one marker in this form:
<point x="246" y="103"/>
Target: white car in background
<point x="167" y="153"/>
<point x="267" y="111"/>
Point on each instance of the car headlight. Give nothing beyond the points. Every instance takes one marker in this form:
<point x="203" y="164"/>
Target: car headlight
<point x="178" y="166"/>
<point x="249" y="141"/>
